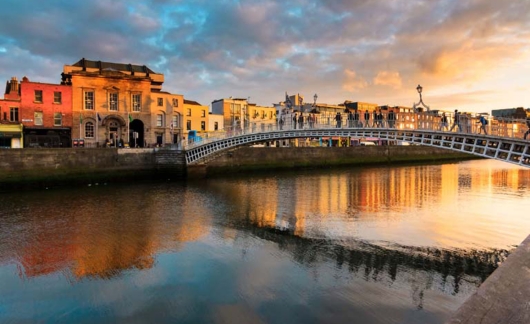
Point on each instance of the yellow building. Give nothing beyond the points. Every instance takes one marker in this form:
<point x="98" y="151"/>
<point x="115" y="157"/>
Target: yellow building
<point x="195" y="118"/>
<point x="166" y="117"/>
<point x="238" y="113"/>
<point x="111" y="103"/>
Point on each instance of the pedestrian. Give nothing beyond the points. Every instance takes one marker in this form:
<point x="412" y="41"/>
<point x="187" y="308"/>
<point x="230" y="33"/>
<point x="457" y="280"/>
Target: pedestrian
<point x="380" y="118"/>
<point x="350" y="119"/>
<point x="295" y="120"/>
<point x="456" y="121"/>
<point x="356" y="119"/>
<point x="483" y="123"/>
<point x="366" y="119"/>
<point x="391" y="119"/>
<point x="338" y="118"/>
<point x="281" y="122"/>
<point x="527" y="125"/>
<point x="301" y="121"/>
<point x="443" y="122"/>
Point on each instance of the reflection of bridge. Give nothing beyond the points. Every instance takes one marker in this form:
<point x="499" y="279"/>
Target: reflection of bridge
<point x="503" y="141"/>
<point x="378" y="263"/>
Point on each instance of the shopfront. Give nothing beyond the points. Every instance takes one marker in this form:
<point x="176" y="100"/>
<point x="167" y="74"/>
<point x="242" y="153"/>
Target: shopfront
<point x="11" y="135"/>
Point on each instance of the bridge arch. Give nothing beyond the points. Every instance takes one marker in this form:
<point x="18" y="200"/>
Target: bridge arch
<point x="511" y="150"/>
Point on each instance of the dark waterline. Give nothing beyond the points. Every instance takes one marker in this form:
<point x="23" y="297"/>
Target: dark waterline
<point x="405" y="244"/>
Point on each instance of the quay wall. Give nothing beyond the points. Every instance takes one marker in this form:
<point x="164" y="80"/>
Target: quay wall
<point x="262" y="158"/>
<point x="54" y="167"/>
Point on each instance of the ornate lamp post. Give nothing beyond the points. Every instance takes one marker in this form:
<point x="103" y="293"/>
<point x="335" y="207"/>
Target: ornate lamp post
<point x="315" y="101"/>
<point x="419" y="88"/>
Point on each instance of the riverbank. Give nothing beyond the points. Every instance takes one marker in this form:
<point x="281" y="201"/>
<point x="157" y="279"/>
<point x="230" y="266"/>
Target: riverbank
<point x="42" y="168"/>
<point x="262" y="159"/>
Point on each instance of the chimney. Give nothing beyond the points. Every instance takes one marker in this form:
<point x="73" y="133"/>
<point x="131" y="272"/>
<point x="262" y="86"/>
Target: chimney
<point x="14" y="85"/>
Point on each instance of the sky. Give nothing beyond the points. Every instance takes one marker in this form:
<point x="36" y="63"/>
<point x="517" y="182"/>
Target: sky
<point x="471" y="55"/>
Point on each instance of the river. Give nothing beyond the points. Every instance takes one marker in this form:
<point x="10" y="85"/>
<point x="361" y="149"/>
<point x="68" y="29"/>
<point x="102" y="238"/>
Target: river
<point x="401" y="244"/>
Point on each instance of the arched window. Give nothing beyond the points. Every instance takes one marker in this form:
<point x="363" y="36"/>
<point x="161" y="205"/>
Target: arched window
<point x="89" y="130"/>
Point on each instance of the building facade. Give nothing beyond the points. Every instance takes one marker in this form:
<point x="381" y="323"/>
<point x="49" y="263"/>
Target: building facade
<point x="167" y="117"/>
<point x="195" y="119"/>
<point x="11" y="135"/>
<point x="46" y="113"/>
<point x="111" y="103"/>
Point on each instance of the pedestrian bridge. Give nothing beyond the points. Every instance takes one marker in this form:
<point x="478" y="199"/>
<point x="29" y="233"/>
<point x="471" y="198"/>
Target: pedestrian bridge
<point x="499" y="144"/>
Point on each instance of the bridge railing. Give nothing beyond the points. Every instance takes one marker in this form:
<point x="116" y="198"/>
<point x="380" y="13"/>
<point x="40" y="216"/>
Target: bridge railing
<point x="502" y="127"/>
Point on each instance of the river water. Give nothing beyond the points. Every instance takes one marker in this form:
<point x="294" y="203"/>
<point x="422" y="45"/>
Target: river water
<point x="403" y="244"/>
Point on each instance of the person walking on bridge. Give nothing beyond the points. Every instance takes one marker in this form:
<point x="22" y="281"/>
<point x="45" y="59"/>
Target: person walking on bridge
<point x="483" y="123"/>
<point x="456" y="121"/>
<point x="338" y="118"/>
<point x="527" y="125"/>
<point x="366" y="119"/>
<point x="443" y="122"/>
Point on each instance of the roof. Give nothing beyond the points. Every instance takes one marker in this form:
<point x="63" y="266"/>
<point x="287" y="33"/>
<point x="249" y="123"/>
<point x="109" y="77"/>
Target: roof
<point x="191" y="102"/>
<point x="113" y="66"/>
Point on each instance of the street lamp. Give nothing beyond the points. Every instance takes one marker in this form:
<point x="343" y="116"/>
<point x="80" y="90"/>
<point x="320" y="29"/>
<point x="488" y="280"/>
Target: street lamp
<point x="419" y="88"/>
<point x="315" y="98"/>
<point x="421" y="103"/>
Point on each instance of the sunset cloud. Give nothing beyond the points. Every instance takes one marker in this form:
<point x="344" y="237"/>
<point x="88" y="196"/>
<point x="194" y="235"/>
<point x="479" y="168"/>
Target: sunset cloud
<point x="375" y="50"/>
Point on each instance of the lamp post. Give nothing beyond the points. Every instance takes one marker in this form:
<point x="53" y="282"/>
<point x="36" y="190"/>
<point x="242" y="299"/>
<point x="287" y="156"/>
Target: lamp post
<point x="315" y="97"/>
<point x="419" y="88"/>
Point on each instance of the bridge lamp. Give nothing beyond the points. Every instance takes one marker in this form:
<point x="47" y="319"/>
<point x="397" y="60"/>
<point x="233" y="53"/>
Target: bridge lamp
<point x="419" y="88"/>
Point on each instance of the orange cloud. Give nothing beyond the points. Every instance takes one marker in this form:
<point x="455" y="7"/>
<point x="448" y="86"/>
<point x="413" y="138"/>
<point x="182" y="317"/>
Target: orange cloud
<point x="386" y="78"/>
<point x="352" y="82"/>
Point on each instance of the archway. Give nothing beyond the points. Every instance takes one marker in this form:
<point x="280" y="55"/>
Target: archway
<point x="136" y="133"/>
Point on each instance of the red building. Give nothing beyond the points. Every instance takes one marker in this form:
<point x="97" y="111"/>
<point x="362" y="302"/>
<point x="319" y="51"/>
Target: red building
<point x="46" y="113"/>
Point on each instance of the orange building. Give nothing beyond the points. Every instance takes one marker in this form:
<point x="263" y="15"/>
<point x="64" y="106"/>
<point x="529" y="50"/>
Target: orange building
<point x="111" y="102"/>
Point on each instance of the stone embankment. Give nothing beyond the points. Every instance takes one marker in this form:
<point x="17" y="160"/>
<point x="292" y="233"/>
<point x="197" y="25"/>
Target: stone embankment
<point x="54" y="167"/>
<point x="504" y="297"/>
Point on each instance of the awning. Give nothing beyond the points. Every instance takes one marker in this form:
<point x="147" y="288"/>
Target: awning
<point x="10" y="135"/>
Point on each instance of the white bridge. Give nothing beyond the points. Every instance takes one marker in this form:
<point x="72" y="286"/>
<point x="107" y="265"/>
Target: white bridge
<point x="504" y="141"/>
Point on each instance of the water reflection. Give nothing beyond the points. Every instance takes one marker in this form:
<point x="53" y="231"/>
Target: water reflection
<point x="425" y="235"/>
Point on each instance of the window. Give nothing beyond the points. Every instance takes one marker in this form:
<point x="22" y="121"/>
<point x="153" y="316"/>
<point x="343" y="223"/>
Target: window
<point x="203" y="125"/>
<point x="57" y="119"/>
<point x="113" y="101"/>
<point x="38" y="95"/>
<point x="89" y="100"/>
<point x="160" y="101"/>
<point x="89" y="130"/>
<point x="175" y="122"/>
<point x="159" y="120"/>
<point x="57" y="97"/>
<point x="216" y="126"/>
<point x="136" y="101"/>
<point x="203" y="113"/>
<point x="37" y="118"/>
<point x="175" y="102"/>
<point x="13" y="114"/>
<point x="188" y="112"/>
<point x="188" y="124"/>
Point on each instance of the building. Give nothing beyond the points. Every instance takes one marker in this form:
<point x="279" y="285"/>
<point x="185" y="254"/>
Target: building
<point x="215" y="123"/>
<point x="111" y="103"/>
<point x="513" y="113"/>
<point x="11" y="135"/>
<point x="46" y="113"/>
<point x="195" y="119"/>
<point x="167" y="117"/>
<point x="233" y="111"/>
